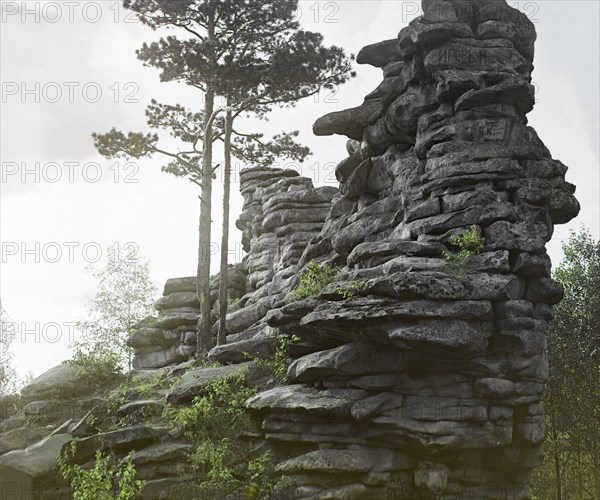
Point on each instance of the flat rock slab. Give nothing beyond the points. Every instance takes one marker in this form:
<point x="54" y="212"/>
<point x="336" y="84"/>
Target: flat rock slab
<point x="12" y="422"/>
<point x="163" y="489"/>
<point x="162" y="452"/>
<point x="328" y="462"/>
<point x="164" y="357"/>
<point x="244" y="350"/>
<point x="193" y="381"/>
<point x="349" y="360"/>
<point x="178" y="285"/>
<point x="305" y="197"/>
<point x="453" y="334"/>
<point x="258" y="174"/>
<point x="177" y="299"/>
<point x="61" y="379"/>
<point x="153" y="337"/>
<point x="149" y="405"/>
<point x="122" y="440"/>
<point x="182" y="316"/>
<point x="36" y="460"/>
<point x="242" y="319"/>
<point x="304" y="399"/>
<point x="393" y="248"/>
<point x="368" y="309"/>
<point x="17" y="439"/>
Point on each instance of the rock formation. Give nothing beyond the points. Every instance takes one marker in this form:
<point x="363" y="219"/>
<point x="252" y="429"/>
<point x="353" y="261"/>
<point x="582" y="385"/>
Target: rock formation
<point x="416" y="383"/>
<point x="172" y="338"/>
<point x="409" y="380"/>
<point x="282" y="213"/>
<point x="34" y="429"/>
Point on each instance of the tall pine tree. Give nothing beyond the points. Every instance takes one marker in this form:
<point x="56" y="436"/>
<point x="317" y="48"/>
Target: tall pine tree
<point x="254" y="55"/>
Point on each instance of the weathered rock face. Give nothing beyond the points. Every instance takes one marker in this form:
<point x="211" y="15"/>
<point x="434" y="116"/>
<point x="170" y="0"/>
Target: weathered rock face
<point x="34" y="428"/>
<point x="173" y="337"/>
<point x="34" y="434"/>
<point x="415" y="383"/>
<point x="282" y="213"/>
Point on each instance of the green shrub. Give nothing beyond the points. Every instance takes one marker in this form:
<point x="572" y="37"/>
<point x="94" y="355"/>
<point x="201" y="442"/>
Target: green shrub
<point x="134" y="389"/>
<point x="107" y="480"/>
<point x="468" y="243"/>
<point x="216" y="456"/>
<point x="257" y="479"/>
<point x="98" y="366"/>
<point x="219" y="413"/>
<point x="350" y="290"/>
<point x="313" y="279"/>
<point x="278" y="365"/>
<point x="214" y="422"/>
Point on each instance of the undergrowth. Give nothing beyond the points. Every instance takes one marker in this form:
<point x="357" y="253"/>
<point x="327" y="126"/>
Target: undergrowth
<point x="277" y="365"/>
<point x="215" y="422"/>
<point x="313" y="279"/>
<point x="106" y="480"/>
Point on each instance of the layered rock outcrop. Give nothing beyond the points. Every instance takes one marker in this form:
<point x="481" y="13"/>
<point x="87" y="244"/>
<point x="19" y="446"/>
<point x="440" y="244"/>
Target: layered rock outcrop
<point x="282" y="213"/>
<point x="172" y="337"/>
<point x="127" y="418"/>
<point x="416" y="382"/>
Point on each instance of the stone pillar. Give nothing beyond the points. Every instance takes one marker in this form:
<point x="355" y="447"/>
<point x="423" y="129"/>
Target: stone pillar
<point x="423" y="383"/>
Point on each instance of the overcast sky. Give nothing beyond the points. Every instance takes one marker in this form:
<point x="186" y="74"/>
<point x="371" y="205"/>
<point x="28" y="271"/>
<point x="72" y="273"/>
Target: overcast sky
<point x="69" y="69"/>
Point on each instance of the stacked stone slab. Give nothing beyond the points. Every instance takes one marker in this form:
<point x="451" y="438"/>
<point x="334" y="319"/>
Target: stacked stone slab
<point x="172" y="338"/>
<point x="282" y="213"/>
<point x="417" y="383"/>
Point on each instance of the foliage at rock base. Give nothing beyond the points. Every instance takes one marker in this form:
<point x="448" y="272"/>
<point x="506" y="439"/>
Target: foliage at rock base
<point x="106" y="480"/>
<point x="215" y="422"/>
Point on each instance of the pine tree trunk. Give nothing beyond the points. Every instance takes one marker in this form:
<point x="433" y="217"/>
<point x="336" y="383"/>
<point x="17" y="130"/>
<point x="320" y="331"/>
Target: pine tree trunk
<point x="557" y="470"/>
<point x="222" y="339"/>
<point x="204" y="342"/>
<point x="204" y="233"/>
